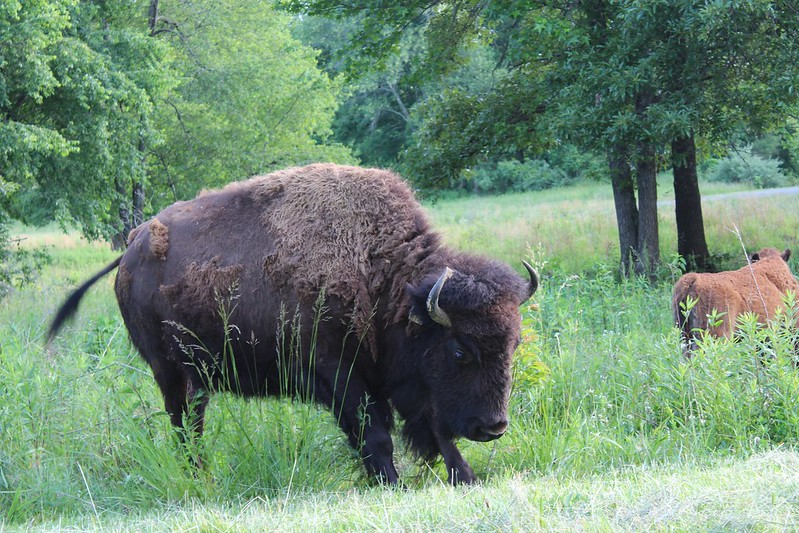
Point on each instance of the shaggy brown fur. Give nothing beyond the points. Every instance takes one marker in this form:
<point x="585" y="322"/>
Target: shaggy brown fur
<point x="328" y="273"/>
<point x="758" y="288"/>
<point x="159" y="239"/>
<point x="123" y="283"/>
<point x="203" y="288"/>
<point x="357" y="225"/>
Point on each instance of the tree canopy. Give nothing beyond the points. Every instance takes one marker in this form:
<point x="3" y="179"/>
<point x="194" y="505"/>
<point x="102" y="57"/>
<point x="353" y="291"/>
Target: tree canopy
<point x="112" y="109"/>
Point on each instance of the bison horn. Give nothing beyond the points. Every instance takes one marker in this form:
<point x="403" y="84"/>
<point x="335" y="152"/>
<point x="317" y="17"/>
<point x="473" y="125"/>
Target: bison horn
<point x="533" y="280"/>
<point x="436" y="313"/>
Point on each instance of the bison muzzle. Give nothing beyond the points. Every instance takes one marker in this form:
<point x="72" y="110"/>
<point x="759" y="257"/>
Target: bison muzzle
<point x="324" y="282"/>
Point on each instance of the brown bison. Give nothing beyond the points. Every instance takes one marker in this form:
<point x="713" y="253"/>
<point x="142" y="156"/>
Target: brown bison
<point x="324" y="281"/>
<point x="758" y="288"/>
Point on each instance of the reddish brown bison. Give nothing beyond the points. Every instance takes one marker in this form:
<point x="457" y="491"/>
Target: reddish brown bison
<point x="328" y="281"/>
<point x="758" y="288"/>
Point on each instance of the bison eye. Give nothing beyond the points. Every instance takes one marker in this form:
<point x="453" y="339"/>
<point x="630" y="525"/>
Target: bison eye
<point x="462" y="357"/>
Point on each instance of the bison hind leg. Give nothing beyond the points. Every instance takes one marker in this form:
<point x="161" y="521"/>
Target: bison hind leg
<point x="185" y="401"/>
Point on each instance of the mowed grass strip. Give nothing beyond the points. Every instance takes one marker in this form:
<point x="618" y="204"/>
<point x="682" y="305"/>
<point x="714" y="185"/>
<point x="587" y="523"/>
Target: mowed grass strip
<point x="759" y="493"/>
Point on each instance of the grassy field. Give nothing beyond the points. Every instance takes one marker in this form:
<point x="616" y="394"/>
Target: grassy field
<point x="611" y="428"/>
<point x="574" y="229"/>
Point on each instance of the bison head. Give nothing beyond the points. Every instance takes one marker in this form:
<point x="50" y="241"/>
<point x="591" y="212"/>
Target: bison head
<point x="467" y="329"/>
<point x="770" y="252"/>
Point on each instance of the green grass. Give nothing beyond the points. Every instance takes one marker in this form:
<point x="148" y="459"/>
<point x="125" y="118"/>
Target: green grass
<point x="611" y="428"/>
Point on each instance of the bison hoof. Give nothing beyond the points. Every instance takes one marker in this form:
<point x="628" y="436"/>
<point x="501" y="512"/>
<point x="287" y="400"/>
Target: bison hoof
<point x="461" y="476"/>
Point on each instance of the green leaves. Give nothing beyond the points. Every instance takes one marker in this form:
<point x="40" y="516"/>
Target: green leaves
<point x="251" y="99"/>
<point x="76" y="92"/>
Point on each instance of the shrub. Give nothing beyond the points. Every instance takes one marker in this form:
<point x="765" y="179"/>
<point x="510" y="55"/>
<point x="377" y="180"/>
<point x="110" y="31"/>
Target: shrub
<point x="745" y="167"/>
<point x="513" y="176"/>
<point x="578" y="163"/>
<point x="18" y="266"/>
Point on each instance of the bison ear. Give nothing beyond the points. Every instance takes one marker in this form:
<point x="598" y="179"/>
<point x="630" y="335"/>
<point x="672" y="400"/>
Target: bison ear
<point x="786" y="255"/>
<point x="418" y="316"/>
<point x="418" y="312"/>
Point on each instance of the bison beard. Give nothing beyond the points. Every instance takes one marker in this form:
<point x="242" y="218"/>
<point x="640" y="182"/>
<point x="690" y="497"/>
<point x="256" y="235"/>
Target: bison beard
<point x="340" y="264"/>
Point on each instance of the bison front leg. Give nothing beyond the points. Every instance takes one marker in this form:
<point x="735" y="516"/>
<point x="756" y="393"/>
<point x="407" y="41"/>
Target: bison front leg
<point x="367" y="423"/>
<point x="377" y="452"/>
<point x="458" y="470"/>
<point x="369" y="433"/>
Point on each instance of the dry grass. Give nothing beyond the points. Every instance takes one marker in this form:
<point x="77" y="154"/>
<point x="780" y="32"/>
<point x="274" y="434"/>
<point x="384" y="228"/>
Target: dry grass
<point x="51" y="236"/>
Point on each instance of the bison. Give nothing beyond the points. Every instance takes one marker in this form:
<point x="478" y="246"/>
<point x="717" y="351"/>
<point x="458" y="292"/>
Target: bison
<point x="758" y="288"/>
<point x="325" y="282"/>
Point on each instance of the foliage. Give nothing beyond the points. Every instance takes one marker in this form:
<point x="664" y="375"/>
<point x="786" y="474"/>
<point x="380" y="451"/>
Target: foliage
<point x="251" y="99"/>
<point x="789" y="141"/>
<point x="628" y="79"/>
<point x="373" y="116"/>
<point x="18" y="266"/>
<point x="107" y="117"/>
<point x="744" y="166"/>
<point x="513" y="176"/>
<point x="458" y="128"/>
<point x="578" y="163"/>
<point x="78" y="80"/>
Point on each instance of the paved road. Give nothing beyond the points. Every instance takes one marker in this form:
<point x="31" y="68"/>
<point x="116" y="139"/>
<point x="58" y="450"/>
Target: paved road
<point x="758" y="193"/>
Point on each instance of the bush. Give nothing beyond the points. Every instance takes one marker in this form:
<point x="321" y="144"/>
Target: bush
<point x="513" y="176"/>
<point x="579" y="163"/>
<point x="18" y="266"/>
<point x="745" y="167"/>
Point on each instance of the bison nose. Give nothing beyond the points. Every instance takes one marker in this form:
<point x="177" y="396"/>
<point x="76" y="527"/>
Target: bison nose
<point x="489" y="432"/>
<point x="497" y="429"/>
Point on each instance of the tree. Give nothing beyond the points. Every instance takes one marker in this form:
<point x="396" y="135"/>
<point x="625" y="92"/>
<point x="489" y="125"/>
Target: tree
<point x="373" y="117"/>
<point x="77" y="80"/>
<point x="252" y="98"/>
<point x="112" y="108"/>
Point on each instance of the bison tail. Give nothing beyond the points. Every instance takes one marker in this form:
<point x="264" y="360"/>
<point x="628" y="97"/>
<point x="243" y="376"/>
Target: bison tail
<point x="70" y="306"/>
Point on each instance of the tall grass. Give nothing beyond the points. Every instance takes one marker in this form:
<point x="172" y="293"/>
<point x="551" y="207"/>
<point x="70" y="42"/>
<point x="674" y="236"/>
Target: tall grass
<point x="611" y="428"/>
<point x="576" y="228"/>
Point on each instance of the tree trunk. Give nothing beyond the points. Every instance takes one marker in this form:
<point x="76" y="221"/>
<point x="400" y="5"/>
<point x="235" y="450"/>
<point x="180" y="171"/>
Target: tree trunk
<point x="646" y="172"/>
<point x="120" y="240"/>
<point x="138" y="204"/>
<point x="626" y="212"/>
<point x="152" y="17"/>
<point x="648" y="236"/>
<point x="691" y="242"/>
<point x="131" y="209"/>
